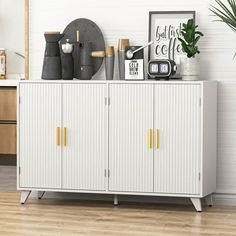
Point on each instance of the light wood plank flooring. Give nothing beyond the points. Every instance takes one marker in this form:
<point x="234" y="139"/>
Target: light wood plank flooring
<point x="64" y="217"/>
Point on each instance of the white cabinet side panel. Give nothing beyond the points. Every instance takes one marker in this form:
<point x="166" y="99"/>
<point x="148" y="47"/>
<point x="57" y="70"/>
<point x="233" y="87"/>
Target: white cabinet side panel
<point x="130" y="118"/>
<point x="39" y="116"/>
<point x="85" y="154"/>
<point x="209" y="138"/>
<point x="178" y="118"/>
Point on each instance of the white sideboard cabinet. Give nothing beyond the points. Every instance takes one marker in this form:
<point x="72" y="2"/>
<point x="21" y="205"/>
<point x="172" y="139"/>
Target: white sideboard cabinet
<point x="150" y="138"/>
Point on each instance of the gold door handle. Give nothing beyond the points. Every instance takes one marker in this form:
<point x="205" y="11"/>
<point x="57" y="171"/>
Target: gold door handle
<point x="58" y="143"/>
<point x="150" y="138"/>
<point x="64" y="136"/>
<point x="157" y="138"/>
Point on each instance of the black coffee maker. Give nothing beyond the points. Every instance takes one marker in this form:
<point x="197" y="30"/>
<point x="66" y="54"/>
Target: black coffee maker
<point x="52" y="69"/>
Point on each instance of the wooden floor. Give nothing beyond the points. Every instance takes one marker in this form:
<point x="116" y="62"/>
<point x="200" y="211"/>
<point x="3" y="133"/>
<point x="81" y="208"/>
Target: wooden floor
<point x="63" y="217"/>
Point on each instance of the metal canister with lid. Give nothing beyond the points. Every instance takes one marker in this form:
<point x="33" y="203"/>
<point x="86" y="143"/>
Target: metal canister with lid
<point x="3" y="65"/>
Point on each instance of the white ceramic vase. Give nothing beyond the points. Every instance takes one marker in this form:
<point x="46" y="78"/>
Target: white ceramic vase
<point x="190" y="68"/>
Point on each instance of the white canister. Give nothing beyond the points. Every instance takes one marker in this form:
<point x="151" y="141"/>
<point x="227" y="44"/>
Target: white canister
<point x="190" y="68"/>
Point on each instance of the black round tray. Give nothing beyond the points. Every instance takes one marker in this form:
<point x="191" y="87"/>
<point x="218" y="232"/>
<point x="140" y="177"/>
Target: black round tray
<point x="89" y="32"/>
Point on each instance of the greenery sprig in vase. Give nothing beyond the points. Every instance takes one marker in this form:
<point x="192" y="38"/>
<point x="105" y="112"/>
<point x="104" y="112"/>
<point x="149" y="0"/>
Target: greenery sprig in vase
<point x="190" y="38"/>
<point x="190" y="67"/>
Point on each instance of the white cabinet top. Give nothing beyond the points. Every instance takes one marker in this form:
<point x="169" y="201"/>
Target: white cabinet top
<point x="9" y="83"/>
<point x="117" y="81"/>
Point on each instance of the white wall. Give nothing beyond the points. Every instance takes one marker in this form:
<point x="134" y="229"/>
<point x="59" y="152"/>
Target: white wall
<point x="12" y="33"/>
<point x="129" y="19"/>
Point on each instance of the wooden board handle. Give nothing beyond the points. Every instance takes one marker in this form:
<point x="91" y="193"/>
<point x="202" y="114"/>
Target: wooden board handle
<point x="98" y="54"/>
<point x="77" y="36"/>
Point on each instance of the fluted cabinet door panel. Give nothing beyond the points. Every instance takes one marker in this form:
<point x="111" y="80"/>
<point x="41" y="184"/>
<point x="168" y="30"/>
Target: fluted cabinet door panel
<point x="130" y="118"/>
<point x="177" y="116"/>
<point x="85" y="154"/>
<point x="40" y="115"/>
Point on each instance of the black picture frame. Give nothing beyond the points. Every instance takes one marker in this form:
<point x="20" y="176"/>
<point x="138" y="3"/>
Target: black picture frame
<point x="190" y="14"/>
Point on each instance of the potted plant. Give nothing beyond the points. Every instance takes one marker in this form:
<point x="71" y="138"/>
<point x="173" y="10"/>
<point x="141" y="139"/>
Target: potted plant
<point x="226" y="14"/>
<point x="190" y="67"/>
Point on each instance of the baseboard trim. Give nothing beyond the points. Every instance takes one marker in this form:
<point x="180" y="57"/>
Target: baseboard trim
<point x="224" y="199"/>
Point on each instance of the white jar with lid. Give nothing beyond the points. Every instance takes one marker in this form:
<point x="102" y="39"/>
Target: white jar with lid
<point x="3" y="63"/>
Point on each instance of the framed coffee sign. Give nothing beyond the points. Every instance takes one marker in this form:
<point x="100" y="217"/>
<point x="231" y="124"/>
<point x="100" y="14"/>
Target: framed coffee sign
<point x="164" y="30"/>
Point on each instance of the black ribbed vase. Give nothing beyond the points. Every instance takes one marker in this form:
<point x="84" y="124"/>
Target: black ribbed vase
<point x="52" y="57"/>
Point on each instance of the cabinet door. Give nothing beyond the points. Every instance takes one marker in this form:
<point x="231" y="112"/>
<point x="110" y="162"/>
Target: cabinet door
<point x="85" y="120"/>
<point x="130" y="131"/>
<point x="40" y="152"/>
<point x="177" y="154"/>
